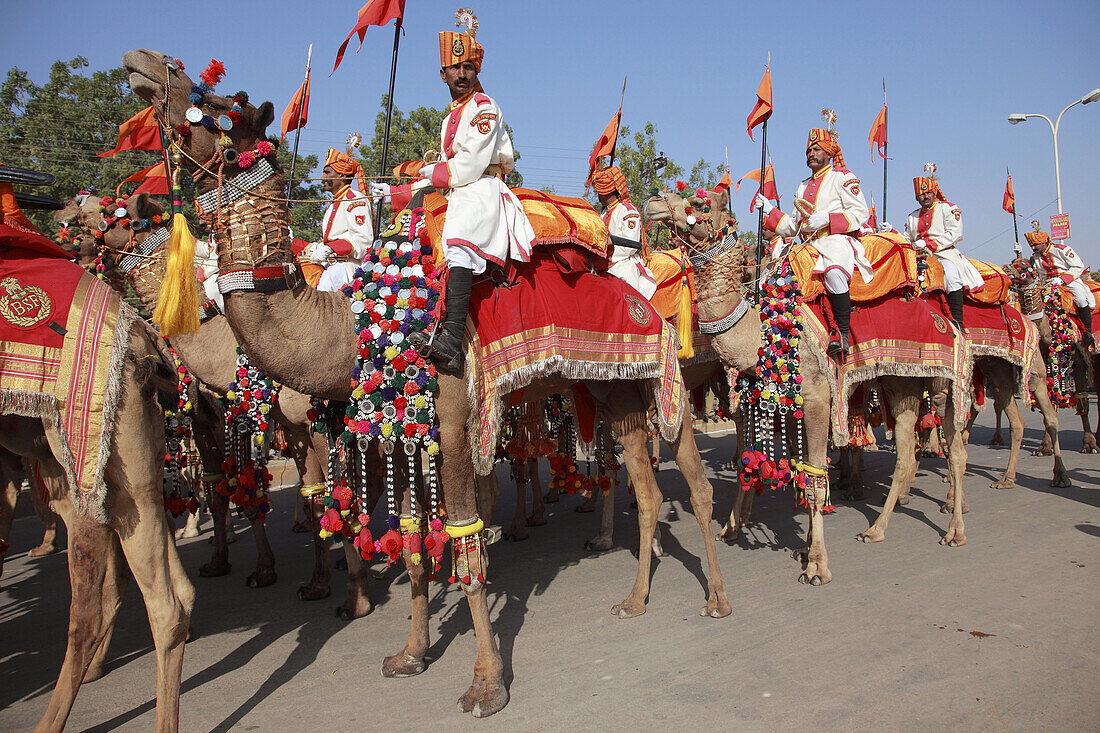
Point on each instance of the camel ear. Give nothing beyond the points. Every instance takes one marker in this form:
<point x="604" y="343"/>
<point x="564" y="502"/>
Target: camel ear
<point x="265" y="115"/>
<point x="721" y="198"/>
<point x="144" y="207"/>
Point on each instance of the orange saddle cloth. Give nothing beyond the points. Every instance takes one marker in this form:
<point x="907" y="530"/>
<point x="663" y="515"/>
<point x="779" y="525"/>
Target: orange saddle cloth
<point x="667" y="267"/>
<point x="892" y="259"/>
<point x="995" y="291"/>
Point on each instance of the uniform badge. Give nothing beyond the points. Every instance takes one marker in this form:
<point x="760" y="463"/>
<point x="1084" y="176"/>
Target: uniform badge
<point x="24" y="306"/>
<point x="360" y="219"/>
<point x="637" y="309"/>
<point x="458" y="47"/>
<point x="482" y="121"/>
<point x="940" y="323"/>
<point x="958" y="214"/>
<point x="630" y="223"/>
<point x="813" y="136"/>
<point x="853" y="185"/>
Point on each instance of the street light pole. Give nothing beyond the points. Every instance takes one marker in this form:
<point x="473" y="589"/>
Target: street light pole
<point x="1015" y="119"/>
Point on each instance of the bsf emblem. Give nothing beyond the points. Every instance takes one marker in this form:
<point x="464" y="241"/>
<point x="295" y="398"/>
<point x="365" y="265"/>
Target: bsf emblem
<point x="637" y="309"/>
<point x="853" y="184"/>
<point x="923" y="186"/>
<point x="1015" y="326"/>
<point x="940" y="323"/>
<point x="813" y="136"/>
<point x="458" y="47"/>
<point x="360" y="219"/>
<point x="958" y="214"/>
<point x="482" y="121"/>
<point x="24" y="306"/>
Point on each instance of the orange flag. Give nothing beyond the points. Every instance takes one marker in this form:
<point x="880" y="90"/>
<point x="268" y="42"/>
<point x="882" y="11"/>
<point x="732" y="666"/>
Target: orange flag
<point x="1009" y="202"/>
<point x="725" y="183"/>
<point x="605" y="145"/>
<point x="763" y="109"/>
<point x="153" y="181"/>
<point x="409" y="169"/>
<point x="768" y="187"/>
<point x="375" y="12"/>
<point x="878" y="134"/>
<point x="296" y="112"/>
<point x="140" y="132"/>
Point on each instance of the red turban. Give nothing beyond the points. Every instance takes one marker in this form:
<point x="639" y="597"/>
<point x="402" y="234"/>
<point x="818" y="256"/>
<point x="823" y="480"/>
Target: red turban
<point x="825" y="140"/>
<point x="610" y="179"/>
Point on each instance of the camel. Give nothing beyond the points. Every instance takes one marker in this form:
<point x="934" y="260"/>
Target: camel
<point x="719" y="277"/>
<point x="12" y="473"/>
<point x="284" y="330"/>
<point x="211" y="357"/>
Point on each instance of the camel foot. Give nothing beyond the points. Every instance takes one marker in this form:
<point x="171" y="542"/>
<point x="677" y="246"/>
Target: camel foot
<point x="551" y="497"/>
<point x="815" y="578"/>
<point x="1061" y="478"/>
<point x="185" y="532"/>
<point x="953" y="539"/>
<point x="314" y="591"/>
<point x="356" y="606"/>
<point x="628" y="609"/>
<point x="587" y="507"/>
<point x="1042" y="451"/>
<point x="403" y="664"/>
<point x="215" y="569"/>
<point x="728" y="533"/>
<point x="536" y="521"/>
<point x="261" y="578"/>
<point x="599" y="543"/>
<point x="43" y="550"/>
<point x="855" y="493"/>
<point x="483" y="698"/>
<point x="873" y="534"/>
<point x="903" y="500"/>
<point x="516" y="535"/>
<point x="717" y="607"/>
<point x="1005" y="483"/>
<point x="997" y="439"/>
<point x="949" y="508"/>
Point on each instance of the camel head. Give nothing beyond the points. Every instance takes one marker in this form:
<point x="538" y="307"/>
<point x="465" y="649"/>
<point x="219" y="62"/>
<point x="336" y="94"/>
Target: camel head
<point x="161" y="81"/>
<point x="688" y="216"/>
<point x="1023" y="273"/>
<point x="76" y="227"/>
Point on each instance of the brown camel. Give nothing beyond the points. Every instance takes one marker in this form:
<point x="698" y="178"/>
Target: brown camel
<point x="719" y="277"/>
<point x="283" y="331"/>
<point x="134" y="517"/>
<point x="13" y="470"/>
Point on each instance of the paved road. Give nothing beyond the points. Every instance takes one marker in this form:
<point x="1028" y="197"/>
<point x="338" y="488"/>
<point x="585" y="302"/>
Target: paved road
<point x="997" y="635"/>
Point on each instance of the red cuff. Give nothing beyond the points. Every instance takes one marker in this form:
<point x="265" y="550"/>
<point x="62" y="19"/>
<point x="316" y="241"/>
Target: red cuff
<point x="400" y="196"/>
<point x="930" y="244"/>
<point x="341" y="247"/>
<point x="441" y="176"/>
<point x="839" y="224"/>
<point x="771" y="221"/>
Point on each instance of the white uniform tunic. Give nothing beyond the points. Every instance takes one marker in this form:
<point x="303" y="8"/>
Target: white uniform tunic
<point x="485" y="220"/>
<point x="206" y="269"/>
<point x="939" y="230"/>
<point x="1063" y="263"/>
<point x="836" y="193"/>
<point x="623" y="220"/>
<point x="346" y="227"/>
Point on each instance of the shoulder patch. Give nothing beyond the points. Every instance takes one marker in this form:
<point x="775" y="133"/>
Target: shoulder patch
<point x="483" y="121"/>
<point x="852" y="184"/>
<point x="356" y="204"/>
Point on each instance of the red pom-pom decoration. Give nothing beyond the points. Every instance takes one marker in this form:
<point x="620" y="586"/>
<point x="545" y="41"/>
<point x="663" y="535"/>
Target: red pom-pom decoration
<point x="213" y="72"/>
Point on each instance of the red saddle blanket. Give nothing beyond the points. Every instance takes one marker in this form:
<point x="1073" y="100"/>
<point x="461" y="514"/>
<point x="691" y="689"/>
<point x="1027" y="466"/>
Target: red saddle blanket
<point x="893" y="337"/>
<point x="550" y="320"/>
<point x="58" y="332"/>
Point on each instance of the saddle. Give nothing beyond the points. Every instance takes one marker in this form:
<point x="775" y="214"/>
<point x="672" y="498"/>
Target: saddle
<point x="996" y="290"/>
<point x="892" y="258"/>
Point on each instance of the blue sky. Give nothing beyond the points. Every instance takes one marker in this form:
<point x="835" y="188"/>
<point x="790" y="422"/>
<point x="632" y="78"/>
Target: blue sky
<point x="954" y="71"/>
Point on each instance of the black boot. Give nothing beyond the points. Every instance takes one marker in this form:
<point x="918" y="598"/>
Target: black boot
<point x="446" y="349"/>
<point x="842" y="313"/>
<point x="955" y="301"/>
<point x="1085" y="314"/>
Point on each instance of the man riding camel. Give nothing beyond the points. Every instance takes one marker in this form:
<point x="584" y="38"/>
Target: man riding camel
<point x="624" y="225"/>
<point x="485" y="221"/>
<point x="829" y="211"/>
<point x="1062" y="263"/>
<point x="936" y="228"/>
<point x="346" y="229"/>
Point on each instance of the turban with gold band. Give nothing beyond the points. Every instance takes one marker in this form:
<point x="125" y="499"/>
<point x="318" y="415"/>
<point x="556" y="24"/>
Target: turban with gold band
<point x="455" y="48"/>
<point x="346" y="166"/>
<point x="924" y="184"/>
<point x="825" y="140"/>
<point x="1034" y="238"/>
<point x="610" y="179"/>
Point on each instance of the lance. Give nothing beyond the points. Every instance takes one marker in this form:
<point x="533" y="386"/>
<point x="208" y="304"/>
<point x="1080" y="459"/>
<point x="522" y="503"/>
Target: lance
<point x="763" y="168"/>
<point x="389" y="117"/>
<point x="297" y="134"/>
<point x="618" y="122"/>
<point x="885" y="147"/>
<point x="1015" y="227"/>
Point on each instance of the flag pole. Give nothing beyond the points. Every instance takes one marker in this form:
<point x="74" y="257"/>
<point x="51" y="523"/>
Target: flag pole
<point x="885" y="147"/>
<point x="1015" y="227"/>
<point x="389" y="117"/>
<point x="297" y="134"/>
<point x="763" y="175"/>
<point x="618" y="122"/>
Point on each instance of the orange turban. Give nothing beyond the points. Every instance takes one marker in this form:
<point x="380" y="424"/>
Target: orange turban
<point x="609" y="179"/>
<point x="1034" y="238"/>
<point x="924" y="184"/>
<point x="347" y="166"/>
<point x="825" y="140"/>
<point x="10" y="213"/>
<point x="454" y="48"/>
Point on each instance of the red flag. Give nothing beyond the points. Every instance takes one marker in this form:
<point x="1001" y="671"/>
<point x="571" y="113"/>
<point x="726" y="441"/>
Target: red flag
<point x="1009" y="202"/>
<point x="153" y="181"/>
<point x="375" y="12"/>
<point x="140" y="132"/>
<point x="606" y="144"/>
<point x="763" y="109"/>
<point x="725" y="183"/>
<point x="878" y="134"/>
<point x="872" y="220"/>
<point x="768" y="188"/>
<point x="296" y="112"/>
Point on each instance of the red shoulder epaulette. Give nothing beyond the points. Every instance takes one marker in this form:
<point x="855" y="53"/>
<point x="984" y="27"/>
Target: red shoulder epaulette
<point x="482" y="98"/>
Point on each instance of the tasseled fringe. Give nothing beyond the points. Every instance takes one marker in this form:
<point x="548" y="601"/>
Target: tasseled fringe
<point x="683" y="321"/>
<point x="177" y="309"/>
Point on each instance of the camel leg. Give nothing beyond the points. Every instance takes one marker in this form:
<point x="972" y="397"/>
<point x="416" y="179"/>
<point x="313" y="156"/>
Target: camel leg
<point x="264" y="574"/>
<point x="318" y="586"/>
<point x="997" y="438"/>
<point x="816" y="409"/>
<point x="1003" y="401"/>
<point x="603" y="539"/>
<point x="116" y="578"/>
<point x="537" y="518"/>
<point x="210" y="443"/>
<point x="636" y="457"/>
<point x="410" y="660"/>
<point x="40" y="500"/>
<point x="956" y="465"/>
<point x="10" y="479"/>
<point x="518" y="531"/>
<point x="219" y="564"/>
<point x="690" y="462"/>
<point x="357" y="603"/>
<point x="905" y="405"/>
<point x="742" y="502"/>
<point x="1037" y="383"/>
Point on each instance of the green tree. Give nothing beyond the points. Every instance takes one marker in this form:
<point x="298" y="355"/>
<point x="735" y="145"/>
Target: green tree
<point x="306" y="197"/>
